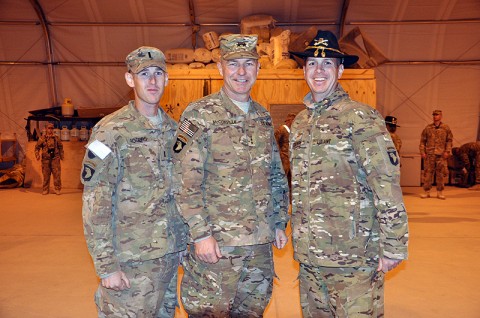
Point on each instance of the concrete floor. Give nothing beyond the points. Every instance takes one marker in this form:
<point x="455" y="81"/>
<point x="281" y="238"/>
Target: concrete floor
<point x="45" y="269"/>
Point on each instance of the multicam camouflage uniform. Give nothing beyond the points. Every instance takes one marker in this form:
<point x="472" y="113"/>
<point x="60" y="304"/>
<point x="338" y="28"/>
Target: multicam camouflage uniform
<point x="434" y="142"/>
<point x="282" y="135"/>
<point x="51" y="148"/>
<point x="234" y="189"/>
<point x="131" y="222"/>
<point x="348" y="209"/>
<point x="396" y="141"/>
<point x="469" y="155"/>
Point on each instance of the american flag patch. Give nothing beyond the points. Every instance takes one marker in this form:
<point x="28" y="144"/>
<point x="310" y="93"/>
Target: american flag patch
<point x="187" y="127"/>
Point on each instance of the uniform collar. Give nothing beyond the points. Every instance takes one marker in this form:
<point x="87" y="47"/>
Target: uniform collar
<point x="325" y="103"/>
<point x="230" y="106"/>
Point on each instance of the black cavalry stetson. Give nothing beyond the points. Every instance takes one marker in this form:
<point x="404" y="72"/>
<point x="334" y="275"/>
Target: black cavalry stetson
<point x="392" y="120"/>
<point x="325" y="44"/>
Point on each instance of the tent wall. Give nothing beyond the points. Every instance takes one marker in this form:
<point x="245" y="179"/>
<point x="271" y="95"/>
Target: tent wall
<point x="52" y="49"/>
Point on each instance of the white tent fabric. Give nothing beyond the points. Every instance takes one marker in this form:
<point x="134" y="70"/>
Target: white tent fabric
<point x="52" y="49"/>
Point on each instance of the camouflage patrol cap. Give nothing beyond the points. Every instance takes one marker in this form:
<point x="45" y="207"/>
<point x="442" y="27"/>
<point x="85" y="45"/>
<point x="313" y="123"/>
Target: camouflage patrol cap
<point x="50" y="125"/>
<point x="437" y="112"/>
<point x="238" y="46"/>
<point x="143" y="57"/>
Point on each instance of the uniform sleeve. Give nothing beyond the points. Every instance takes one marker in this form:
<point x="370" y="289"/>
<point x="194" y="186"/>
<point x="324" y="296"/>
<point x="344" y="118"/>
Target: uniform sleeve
<point x="279" y="190"/>
<point x="190" y="153"/>
<point x="464" y="159"/>
<point x="99" y="177"/>
<point x="376" y="153"/>
<point x="60" y="148"/>
<point x="38" y="146"/>
<point x="423" y="141"/>
<point x="448" y="145"/>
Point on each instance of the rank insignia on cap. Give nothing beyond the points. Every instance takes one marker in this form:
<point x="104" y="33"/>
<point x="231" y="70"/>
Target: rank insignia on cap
<point x="180" y="143"/>
<point x="393" y="156"/>
<point x="187" y="127"/>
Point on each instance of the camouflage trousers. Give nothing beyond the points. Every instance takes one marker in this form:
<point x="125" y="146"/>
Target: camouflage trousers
<point x="330" y="292"/>
<point x="51" y="166"/>
<point x="152" y="292"/>
<point x="434" y="164"/>
<point x="238" y="285"/>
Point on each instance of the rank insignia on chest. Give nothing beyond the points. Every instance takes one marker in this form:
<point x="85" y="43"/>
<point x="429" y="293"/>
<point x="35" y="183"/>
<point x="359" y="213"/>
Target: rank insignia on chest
<point x="393" y="156"/>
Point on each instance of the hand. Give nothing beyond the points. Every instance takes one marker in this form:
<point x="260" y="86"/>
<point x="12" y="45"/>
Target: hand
<point x="38" y="157"/>
<point x="208" y="250"/>
<point x="117" y="281"/>
<point x="387" y="264"/>
<point x="446" y="155"/>
<point x="464" y="170"/>
<point x="424" y="155"/>
<point x="281" y="239"/>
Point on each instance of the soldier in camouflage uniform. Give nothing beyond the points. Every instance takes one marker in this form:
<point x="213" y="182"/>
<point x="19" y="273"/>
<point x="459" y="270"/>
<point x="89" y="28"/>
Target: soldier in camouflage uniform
<point x="282" y="135"/>
<point x="391" y="123"/>
<point x="51" y="149"/>
<point x="234" y="195"/>
<point x="469" y="158"/>
<point x="435" y="148"/>
<point x="348" y="217"/>
<point x="133" y="230"/>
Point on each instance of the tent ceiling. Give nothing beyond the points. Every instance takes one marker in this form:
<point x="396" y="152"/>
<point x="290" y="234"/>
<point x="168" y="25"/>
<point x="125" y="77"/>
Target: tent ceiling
<point x="51" y="49"/>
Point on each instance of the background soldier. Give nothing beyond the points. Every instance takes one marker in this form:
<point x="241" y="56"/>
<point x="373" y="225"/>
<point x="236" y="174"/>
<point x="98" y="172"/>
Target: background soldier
<point x="51" y="148"/>
<point x="282" y="135"/>
<point x="348" y="217"/>
<point x="133" y="230"/>
<point x="435" y="148"/>
<point x="234" y="195"/>
<point x="468" y="156"/>
<point x="391" y="123"/>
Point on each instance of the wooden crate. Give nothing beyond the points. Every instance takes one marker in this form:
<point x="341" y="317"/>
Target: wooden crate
<point x="273" y="87"/>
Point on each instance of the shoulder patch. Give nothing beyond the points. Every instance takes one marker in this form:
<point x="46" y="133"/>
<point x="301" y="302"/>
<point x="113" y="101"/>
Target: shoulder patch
<point x="393" y="156"/>
<point x="180" y="143"/>
<point x="87" y="172"/>
<point x="99" y="149"/>
<point x="188" y="127"/>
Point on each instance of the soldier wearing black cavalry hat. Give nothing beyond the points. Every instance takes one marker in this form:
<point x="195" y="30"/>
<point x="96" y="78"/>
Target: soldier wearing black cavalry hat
<point x="348" y="216"/>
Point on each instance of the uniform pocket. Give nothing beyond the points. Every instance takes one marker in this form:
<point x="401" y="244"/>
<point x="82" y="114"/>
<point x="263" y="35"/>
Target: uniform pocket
<point x="200" y="286"/>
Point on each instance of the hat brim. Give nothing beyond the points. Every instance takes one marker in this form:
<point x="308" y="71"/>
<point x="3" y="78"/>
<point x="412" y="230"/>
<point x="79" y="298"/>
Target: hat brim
<point x="387" y="122"/>
<point x="148" y="64"/>
<point x="240" y="55"/>
<point x="347" y="59"/>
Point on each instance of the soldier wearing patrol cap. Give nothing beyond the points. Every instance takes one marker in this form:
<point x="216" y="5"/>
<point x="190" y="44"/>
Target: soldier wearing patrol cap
<point x="133" y="230"/>
<point x="49" y="149"/>
<point x="348" y="216"/>
<point x="235" y="194"/>
<point x="391" y="123"/>
<point x="435" y="148"/>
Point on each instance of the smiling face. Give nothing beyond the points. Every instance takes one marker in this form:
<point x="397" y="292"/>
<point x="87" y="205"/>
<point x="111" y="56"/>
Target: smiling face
<point x="149" y="85"/>
<point x="239" y="75"/>
<point x="322" y="75"/>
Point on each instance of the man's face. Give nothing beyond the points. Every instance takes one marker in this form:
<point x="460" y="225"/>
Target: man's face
<point x="239" y="75"/>
<point x="322" y="75"/>
<point x="149" y="84"/>
<point x="49" y="130"/>
<point x="437" y="117"/>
